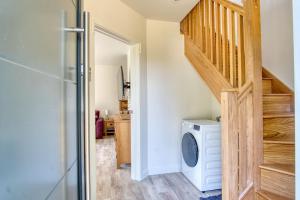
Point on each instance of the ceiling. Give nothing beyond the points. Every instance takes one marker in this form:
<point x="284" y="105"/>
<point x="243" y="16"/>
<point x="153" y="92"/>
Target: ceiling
<point x="109" y="51"/>
<point x="166" y="10"/>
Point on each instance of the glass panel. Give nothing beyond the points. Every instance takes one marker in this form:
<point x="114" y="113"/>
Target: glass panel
<point x="37" y="100"/>
<point x="67" y="188"/>
<point x="31" y="32"/>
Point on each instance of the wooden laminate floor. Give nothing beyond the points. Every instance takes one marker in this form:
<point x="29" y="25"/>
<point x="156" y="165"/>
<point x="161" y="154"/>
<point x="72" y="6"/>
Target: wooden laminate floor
<point x="116" y="184"/>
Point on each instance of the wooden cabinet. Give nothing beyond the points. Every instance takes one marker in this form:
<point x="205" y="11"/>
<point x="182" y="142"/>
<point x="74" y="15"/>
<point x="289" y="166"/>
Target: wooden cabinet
<point x="123" y="141"/>
<point x="109" y="127"/>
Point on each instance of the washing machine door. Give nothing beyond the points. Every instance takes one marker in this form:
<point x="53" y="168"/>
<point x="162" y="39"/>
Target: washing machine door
<point x="190" y="152"/>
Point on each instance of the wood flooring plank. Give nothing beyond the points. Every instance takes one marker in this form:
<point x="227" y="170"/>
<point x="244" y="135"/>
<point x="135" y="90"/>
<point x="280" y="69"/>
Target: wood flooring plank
<point x="116" y="184"/>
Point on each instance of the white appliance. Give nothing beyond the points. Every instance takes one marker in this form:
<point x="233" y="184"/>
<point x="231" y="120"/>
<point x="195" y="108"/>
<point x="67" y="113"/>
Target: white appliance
<point x="201" y="153"/>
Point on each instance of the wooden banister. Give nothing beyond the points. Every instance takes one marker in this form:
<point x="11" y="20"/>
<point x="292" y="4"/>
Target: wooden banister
<point x="217" y="28"/>
<point x="253" y="63"/>
<point x="223" y="42"/>
<point x="232" y="6"/>
<point x="230" y="146"/>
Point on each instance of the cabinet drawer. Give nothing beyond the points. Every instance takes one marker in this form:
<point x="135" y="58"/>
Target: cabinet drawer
<point x="109" y="124"/>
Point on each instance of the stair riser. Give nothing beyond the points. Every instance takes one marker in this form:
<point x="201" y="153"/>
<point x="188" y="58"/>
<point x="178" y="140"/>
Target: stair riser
<point x="267" y="86"/>
<point x="279" y="153"/>
<point x="278" y="183"/>
<point x="280" y="127"/>
<point x="277" y="104"/>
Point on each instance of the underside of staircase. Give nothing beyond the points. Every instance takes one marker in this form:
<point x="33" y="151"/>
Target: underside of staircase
<point x="222" y="42"/>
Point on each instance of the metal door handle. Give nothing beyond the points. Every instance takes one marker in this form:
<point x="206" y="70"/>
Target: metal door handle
<point x="85" y="72"/>
<point x="74" y="29"/>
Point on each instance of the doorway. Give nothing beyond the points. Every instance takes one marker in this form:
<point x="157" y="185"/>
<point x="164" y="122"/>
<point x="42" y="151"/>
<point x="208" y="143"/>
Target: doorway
<point x="108" y="53"/>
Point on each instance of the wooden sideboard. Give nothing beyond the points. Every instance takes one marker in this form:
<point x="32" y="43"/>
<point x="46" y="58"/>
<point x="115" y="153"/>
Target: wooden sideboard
<point x="109" y="128"/>
<point x="123" y="141"/>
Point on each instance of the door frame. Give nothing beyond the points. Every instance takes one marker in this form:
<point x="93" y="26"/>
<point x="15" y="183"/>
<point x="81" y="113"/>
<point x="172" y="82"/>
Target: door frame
<point x="134" y="57"/>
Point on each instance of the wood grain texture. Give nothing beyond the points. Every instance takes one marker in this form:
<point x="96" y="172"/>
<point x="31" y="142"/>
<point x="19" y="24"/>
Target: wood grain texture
<point x="279" y="153"/>
<point x="225" y="52"/>
<point x="282" y="128"/>
<point x="232" y="49"/>
<point x="280" y="168"/>
<point x="278" y="183"/>
<point x="241" y="52"/>
<point x="212" y="31"/>
<point x="207" y="32"/>
<point x="253" y="63"/>
<point x="218" y="38"/>
<point x="201" y="28"/>
<point x="267" y="85"/>
<point x="123" y="141"/>
<point x="230" y="146"/>
<point x="232" y="6"/>
<point x="277" y="103"/>
<point x="246" y="142"/>
<point x="249" y="195"/>
<point x="278" y="85"/>
<point x="265" y="195"/>
<point x="116" y="184"/>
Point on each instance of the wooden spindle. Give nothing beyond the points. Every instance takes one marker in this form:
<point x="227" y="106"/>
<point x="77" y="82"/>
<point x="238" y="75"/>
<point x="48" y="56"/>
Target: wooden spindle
<point x="218" y="38"/>
<point x="241" y="52"/>
<point x="207" y="39"/>
<point x="197" y="25"/>
<point x="225" y="42"/>
<point x="193" y="23"/>
<point x="232" y="48"/>
<point x="212" y="31"/>
<point x="202" y="26"/>
<point x="190" y="25"/>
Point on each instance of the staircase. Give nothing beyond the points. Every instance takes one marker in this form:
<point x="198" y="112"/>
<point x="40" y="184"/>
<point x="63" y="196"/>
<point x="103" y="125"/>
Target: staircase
<point x="278" y="169"/>
<point x="223" y="43"/>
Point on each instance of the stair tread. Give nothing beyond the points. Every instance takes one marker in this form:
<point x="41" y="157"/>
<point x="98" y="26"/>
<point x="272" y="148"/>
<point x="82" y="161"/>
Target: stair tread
<point x="281" y="168"/>
<point x="271" y="196"/>
<point x="266" y="78"/>
<point x="278" y="115"/>
<point x="278" y="141"/>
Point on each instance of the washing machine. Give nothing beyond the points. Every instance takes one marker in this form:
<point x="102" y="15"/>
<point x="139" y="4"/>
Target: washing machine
<point x="201" y="153"/>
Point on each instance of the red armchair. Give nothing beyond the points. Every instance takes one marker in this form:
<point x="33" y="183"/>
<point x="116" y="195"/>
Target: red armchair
<point x="99" y="123"/>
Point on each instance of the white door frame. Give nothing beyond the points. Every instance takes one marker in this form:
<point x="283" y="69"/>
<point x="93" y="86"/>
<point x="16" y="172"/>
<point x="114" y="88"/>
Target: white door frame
<point x="134" y="61"/>
<point x="134" y="64"/>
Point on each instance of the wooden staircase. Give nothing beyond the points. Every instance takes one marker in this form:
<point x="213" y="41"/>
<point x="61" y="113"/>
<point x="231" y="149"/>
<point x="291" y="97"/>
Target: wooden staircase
<point x="223" y="43"/>
<point x="278" y="168"/>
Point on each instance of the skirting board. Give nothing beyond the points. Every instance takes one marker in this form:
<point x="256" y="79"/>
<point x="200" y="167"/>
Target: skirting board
<point x="164" y="169"/>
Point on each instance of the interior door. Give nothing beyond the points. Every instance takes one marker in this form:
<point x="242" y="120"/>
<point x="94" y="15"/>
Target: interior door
<point x="39" y="66"/>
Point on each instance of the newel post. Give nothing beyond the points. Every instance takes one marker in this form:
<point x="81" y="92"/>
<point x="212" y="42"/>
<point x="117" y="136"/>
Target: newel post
<point x="253" y="65"/>
<point x="229" y="117"/>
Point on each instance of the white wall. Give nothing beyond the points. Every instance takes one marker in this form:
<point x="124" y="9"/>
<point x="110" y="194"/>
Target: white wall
<point x="277" y="39"/>
<point x="175" y="92"/>
<point x="215" y="108"/>
<point x="296" y="9"/>
<point x="108" y="88"/>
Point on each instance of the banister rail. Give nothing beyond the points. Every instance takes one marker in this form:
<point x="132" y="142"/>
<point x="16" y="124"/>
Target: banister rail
<point x="217" y="28"/>
<point x="222" y="41"/>
<point x="231" y="6"/>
